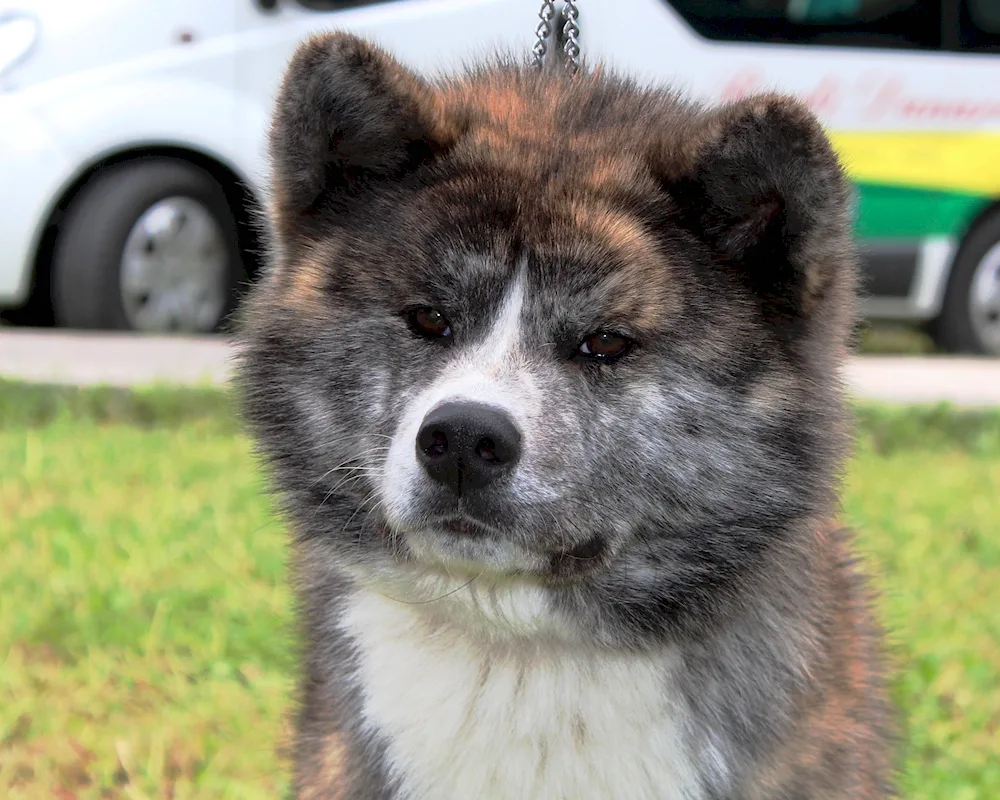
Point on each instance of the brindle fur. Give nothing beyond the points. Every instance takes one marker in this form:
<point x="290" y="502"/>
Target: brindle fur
<point x="721" y="237"/>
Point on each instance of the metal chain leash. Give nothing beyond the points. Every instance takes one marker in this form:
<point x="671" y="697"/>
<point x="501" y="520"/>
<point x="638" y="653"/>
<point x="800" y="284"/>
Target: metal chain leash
<point x="570" y="32"/>
<point x="547" y="12"/>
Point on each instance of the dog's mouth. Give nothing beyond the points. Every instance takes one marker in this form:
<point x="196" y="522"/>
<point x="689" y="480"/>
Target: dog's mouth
<point x="578" y="560"/>
<point x="464" y="526"/>
<point x="471" y="541"/>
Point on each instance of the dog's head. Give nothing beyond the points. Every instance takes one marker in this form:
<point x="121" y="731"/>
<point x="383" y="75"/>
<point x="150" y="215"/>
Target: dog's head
<point x="549" y="329"/>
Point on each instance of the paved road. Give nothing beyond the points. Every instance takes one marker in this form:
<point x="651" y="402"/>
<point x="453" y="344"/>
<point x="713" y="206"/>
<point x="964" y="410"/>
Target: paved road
<point x="126" y="359"/>
<point x="115" y="359"/>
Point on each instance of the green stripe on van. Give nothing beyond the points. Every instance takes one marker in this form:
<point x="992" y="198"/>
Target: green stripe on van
<point x="901" y="212"/>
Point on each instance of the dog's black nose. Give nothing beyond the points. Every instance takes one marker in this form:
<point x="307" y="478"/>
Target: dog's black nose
<point x="467" y="445"/>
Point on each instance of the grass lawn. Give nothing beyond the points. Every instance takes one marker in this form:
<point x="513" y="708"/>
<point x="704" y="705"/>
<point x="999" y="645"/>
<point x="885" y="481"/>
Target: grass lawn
<point x="145" y="642"/>
<point x="883" y="338"/>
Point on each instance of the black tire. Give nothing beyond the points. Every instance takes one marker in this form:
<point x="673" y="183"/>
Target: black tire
<point x="955" y="329"/>
<point x="87" y="261"/>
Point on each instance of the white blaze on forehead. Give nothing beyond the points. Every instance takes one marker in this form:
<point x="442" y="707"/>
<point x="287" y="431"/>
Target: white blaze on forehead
<point x="477" y="373"/>
<point x="485" y="372"/>
<point x="501" y="342"/>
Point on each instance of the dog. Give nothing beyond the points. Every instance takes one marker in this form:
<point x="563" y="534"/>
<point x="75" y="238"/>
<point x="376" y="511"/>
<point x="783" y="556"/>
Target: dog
<point x="544" y="369"/>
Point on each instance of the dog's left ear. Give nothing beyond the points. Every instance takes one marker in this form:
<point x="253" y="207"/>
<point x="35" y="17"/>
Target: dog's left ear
<point x="348" y="120"/>
<point x="758" y="182"/>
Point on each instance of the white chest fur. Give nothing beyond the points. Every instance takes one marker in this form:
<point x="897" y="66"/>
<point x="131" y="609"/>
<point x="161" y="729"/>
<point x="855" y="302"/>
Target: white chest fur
<point x="466" y="721"/>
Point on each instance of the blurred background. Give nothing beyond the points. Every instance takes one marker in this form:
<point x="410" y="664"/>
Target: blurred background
<point x="146" y="646"/>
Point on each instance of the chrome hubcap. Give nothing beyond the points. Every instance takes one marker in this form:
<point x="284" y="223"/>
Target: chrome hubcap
<point x="174" y="268"/>
<point x="984" y="300"/>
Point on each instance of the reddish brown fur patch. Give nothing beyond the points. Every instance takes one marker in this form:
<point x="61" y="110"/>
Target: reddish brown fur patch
<point x="517" y="125"/>
<point x="299" y="285"/>
<point x="841" y="730"/>
<point x="614" y="170"/>
<point x="501" y="122"/>
<point x="328" y="780"/>
<point x="505" y="107"/>
<point x="638" y="292"/>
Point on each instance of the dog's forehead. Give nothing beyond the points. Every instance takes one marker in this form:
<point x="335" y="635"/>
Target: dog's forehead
<point x="551" y="140"/>
<point x="561" y="208"/>
<point x="598" y="264"/>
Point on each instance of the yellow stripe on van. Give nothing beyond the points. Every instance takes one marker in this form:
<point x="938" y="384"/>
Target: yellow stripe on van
<point x="959" y="162"/>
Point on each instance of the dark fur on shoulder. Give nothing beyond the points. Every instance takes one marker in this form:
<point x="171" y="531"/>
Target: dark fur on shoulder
<point x="682" y="497"/>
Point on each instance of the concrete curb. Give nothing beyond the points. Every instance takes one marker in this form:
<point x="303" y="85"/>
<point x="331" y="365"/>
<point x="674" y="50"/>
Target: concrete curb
<point x="127" y="360"/>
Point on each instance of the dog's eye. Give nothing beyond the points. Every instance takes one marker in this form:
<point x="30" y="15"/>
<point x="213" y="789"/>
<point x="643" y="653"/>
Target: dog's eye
<point x="429" y="323"/>
<point x="605" y="346"/>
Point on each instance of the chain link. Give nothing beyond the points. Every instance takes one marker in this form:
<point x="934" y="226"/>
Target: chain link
<point x="542" y="32"/>
<point x="570" y="32"/>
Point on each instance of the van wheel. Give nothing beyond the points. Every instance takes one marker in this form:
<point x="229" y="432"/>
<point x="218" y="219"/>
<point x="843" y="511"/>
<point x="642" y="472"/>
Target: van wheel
<point x="970" y="317"/>
<point x="148" y="245"/>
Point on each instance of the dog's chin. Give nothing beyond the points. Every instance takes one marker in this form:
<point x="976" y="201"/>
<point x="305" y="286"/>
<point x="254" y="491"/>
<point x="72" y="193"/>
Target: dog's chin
<point x="457" y="551"/>
<point x="464" y="548"/>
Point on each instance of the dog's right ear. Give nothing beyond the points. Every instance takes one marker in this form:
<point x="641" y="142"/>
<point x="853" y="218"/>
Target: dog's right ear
<point x="348" y="117"/>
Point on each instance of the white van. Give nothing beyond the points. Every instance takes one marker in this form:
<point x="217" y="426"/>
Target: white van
<point x="132" y="133"/>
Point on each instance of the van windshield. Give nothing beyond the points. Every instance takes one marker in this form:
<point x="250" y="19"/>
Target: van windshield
<point x="875" y="23"/>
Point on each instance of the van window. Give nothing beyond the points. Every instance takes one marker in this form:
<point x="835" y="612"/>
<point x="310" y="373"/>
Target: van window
<point x="335" y="5"/>
<point x="980" y="25"/>
<point x="847" y="23"/>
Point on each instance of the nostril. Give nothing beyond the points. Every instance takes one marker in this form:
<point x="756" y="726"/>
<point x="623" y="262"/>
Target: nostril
<point x="436" y="445"/>
<point x="486" y="449"/>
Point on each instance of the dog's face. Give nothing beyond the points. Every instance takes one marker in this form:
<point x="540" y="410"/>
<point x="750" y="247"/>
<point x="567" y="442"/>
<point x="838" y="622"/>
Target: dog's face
<point x="545" y="329"/>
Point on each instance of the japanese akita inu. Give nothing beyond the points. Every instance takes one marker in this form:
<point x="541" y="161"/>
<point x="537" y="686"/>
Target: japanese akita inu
<point x="545" y="371"/>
